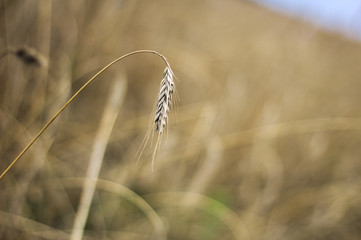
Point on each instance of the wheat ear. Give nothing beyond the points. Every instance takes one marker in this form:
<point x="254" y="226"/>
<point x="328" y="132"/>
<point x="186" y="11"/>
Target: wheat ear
<point x="164" y="100"/>
<point x="76" y="94"/>
<point x="163" y="106"/>
<point x="162" y="109"/>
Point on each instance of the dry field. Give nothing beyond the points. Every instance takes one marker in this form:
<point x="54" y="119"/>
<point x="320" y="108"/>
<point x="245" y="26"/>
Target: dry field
<point x="263" y="142"/>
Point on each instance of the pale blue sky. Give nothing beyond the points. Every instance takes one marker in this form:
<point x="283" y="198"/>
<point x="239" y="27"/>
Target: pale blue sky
<point x="343" y="16"/>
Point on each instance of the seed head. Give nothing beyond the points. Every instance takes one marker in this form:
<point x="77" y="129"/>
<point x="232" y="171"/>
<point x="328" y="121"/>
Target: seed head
<point x="30" y="56"/>
<point x="164" y="100"/>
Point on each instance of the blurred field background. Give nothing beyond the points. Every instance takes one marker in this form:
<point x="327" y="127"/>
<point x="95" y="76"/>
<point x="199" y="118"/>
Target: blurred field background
<point x="264" y="142"/>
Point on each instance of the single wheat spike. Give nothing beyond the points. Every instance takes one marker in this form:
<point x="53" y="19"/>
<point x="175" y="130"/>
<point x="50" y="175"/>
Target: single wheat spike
<point x="164" y="109"/>
<point x="164" y="103"/>
<point x="164" y="100"/>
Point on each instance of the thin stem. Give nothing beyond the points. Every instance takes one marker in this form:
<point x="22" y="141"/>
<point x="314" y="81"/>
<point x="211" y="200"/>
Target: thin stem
<point x="72" y="98"/>
<point x="97" y="156"/>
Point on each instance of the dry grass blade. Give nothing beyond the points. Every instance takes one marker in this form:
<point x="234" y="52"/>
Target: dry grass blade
<point x="159" y="228"/>
<point x="101" y="140"/>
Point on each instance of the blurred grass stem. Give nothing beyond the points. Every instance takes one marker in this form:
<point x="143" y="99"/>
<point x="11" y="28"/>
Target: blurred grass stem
<point x="96" y="159"/>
